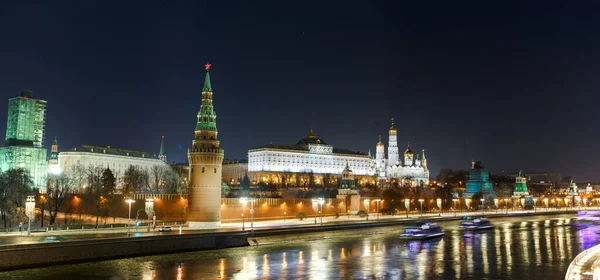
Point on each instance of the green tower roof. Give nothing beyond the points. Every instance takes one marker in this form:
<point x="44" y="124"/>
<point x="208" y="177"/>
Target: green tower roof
<point x="162" y="146"/>
<point x="207" y="86"/>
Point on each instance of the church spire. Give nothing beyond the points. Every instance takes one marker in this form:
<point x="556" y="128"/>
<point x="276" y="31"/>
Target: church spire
<point x="207" y="86"/>
<point x="162" y="155"/>
<point x="392" y="128"/>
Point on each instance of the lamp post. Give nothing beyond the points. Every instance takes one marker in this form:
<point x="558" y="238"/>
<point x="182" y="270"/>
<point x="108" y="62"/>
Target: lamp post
<point x="496" y="203"/>
<point x="506" y="204"/>
<point x="367" y="203"/>
<point x="321" y="201"/>
<point x="454" y="200"/>
<point x="252" y="214"/>
<point x="284" y="216"/>
<point x="129" y="201"/>
<point x="534" y="205"/>
<point x="467" y="203"/>
<point x="439" y="204"/>
<point x="546" y="202"/>
<point x="377" y="207"/>
<point x="243" y="201"/>
<point x="315" y="204"/>
<point x="30" y="211"/>
<point x="407" y="205"/>
<point x="149" y="209"/>
<point x="482" y="210"/>
<point x="421" y="201"/>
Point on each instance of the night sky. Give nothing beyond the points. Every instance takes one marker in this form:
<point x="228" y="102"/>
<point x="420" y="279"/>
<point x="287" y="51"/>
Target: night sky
<point x="514" y="85"/>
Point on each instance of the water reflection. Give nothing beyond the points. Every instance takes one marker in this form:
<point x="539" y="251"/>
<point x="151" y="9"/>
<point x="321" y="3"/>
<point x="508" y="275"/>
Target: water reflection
<point x="540" y="246"/>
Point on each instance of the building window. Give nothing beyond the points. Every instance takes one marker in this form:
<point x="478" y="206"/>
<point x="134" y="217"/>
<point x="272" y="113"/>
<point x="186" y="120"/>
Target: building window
<point x="202" y="169"/>
<point x="215" y="170"/>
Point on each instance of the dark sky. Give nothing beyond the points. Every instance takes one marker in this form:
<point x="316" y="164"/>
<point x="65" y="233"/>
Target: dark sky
<point x="512" y="84"/>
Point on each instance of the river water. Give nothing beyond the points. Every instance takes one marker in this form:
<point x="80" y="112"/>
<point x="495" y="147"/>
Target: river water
<point x="540" y="246"/>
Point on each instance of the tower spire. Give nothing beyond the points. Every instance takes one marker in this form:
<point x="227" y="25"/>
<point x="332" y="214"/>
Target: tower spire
<point x="207" y="86"/>
<point x="162" y="155"/>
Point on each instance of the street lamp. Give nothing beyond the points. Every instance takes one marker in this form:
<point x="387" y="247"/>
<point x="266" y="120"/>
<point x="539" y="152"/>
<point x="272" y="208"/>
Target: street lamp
<point x="315" y="204"/>
<point x="439" y="204"/>
<point x="30" y="211"/>
<point x="149" y="209"/>
<point x="546" y="202"/>
<point x="252" y="214"/>
<point x="407" y="205"/>
<point x="496" y="203"/>
<point x="321" y="201"/>
<point x="467" y="203"/>
<point x="367" y="203"/>
<point x="421" y="201"/>
<point x="243" y="201"/>
<point x="454" y="200"/>
<point x="377" y="207"/>
<point x="482" y="199"/>
<point x="129" y="201"/>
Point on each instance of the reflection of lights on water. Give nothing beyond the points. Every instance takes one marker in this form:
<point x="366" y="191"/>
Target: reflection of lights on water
<point x="484" y="254"/>
<point x="343" y="253"/>
<point x="536" y="246"/>
<point x="329" y="256"/>
<point x="148" y="272"/>
<point x="507" y="242"/>
<point x="222" y="268"/>
<point x="265" y="266"/>
<point x="414" y="246"/>
<point x="180" y="271"/>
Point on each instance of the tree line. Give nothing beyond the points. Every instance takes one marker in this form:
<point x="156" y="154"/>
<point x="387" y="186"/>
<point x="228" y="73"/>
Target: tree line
<point x="93" y="186"/>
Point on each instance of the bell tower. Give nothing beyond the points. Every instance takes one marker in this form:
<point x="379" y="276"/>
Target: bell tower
<point x="393" y="146"/>
<point x="206" y="160"/>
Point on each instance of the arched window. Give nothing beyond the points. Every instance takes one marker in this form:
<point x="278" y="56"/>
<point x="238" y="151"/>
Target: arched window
<point x="202" y="169"/>
<point x="215" y="170"/>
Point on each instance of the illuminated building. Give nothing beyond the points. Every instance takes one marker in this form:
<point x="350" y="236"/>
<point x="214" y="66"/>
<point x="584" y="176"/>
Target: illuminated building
<point x="205" y="159"/>
<point x="412" y="169"/>
<point x="53" y="165"/>
<point x="118" y="160"/>
<point x="348" y="191"/>
<point x="234" y="171"/>
<point x="479" y="181"/>
<point x="25" y="138"/>
<point x="520" y="186"/>
<point x="309" y="159"/>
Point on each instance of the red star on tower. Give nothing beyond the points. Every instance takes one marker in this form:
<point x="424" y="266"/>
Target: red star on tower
<point x="207" y="66"/>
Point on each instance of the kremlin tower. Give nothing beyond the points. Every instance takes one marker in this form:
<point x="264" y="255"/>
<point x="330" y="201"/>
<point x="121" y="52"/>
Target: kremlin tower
<point x="205" y="159"/>
<point x="393" y="146"/>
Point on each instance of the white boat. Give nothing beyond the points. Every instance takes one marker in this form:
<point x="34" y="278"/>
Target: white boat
<point x="475" y="223"/>
<point x="422" y="230"/>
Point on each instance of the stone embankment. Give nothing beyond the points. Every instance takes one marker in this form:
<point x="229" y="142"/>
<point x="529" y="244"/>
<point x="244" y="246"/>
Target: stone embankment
<point x="45" y="254"/>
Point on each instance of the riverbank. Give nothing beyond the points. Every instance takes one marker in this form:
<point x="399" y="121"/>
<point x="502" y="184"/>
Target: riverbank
<point x="92" y="249"/>
<point x="46" y="254"/>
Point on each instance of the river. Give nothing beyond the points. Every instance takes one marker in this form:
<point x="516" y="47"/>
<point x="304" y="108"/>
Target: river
<point x="540" y="246"/>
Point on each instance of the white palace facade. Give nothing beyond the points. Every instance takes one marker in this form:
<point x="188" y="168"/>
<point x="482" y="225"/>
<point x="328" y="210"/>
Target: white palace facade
<point x="276" y="162"/>
<point x="118" y="160"/>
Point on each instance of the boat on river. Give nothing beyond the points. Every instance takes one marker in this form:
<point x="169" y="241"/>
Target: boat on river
<point x="475" y="223"/>
<point x="422" y="230"/>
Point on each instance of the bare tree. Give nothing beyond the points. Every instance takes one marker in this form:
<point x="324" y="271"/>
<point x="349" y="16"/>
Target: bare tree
<point x="101" y="184"/>
<point x="59" y="187"/>
<point x="157" y="176"/>
<point x="15" y="185"/>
